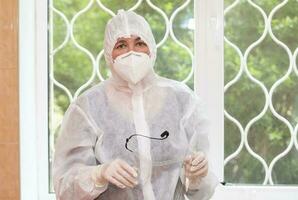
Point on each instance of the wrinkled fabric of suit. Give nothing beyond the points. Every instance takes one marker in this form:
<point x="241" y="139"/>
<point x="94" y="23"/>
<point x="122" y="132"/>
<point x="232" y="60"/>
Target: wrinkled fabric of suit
<point x="96" y="125"/>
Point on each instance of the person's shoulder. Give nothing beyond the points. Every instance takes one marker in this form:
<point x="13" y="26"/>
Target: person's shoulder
<point x="184" y="94"/>
<point x="94" y="90"/>
<point x="177" y="87"/>
<point x="93" y="93"/>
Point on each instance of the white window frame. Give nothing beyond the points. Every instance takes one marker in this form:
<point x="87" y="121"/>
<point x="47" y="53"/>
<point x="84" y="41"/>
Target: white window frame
<point x="33" y="52"/>
<point x="33" y="80"/>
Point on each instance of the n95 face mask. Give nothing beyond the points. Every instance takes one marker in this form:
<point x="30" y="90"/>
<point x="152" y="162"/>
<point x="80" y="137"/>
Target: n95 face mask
<point x="133" y="66"/>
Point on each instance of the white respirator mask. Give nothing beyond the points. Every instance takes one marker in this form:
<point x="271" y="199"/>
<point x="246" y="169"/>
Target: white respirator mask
<point x="133" y="66"/>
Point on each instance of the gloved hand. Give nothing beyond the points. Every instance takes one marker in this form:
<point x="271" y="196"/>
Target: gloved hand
<point x="196" y="167"/>
<point x="117" y="172"/>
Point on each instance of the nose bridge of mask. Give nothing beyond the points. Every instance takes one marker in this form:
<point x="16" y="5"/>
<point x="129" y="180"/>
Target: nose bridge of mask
<point x="129" y="55"/>
<point x="133" y="59"/>
<point x="132" y="66"/>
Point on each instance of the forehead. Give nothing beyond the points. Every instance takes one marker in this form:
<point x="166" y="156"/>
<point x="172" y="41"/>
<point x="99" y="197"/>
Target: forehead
<point x="128" y="39"/>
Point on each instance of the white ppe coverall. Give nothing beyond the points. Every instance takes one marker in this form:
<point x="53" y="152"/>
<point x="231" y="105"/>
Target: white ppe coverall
<point x="96" y="125"/>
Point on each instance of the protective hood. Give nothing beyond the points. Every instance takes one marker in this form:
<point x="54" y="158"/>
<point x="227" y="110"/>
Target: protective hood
<point x="125" y="24"/>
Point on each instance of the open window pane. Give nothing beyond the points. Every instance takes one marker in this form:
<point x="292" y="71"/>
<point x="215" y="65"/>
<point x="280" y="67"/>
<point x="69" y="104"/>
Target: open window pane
<point x="261" y="92"/>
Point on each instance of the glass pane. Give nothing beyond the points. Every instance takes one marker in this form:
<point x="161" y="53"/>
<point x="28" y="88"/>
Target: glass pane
<point x="76" y="41"/>
<point x="261" y="92"/>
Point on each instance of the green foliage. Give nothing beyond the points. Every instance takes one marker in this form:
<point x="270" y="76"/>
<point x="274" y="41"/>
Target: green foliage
<point x="267" y="62"/>
<point x="73" y="67"/>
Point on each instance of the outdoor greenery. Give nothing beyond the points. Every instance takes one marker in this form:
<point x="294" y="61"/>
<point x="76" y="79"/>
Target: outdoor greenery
<point x="267" y="62"/>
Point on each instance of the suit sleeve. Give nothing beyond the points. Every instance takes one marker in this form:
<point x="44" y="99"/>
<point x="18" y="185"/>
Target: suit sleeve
<point x="74" y="158"/>
<point x="196" y="126"/>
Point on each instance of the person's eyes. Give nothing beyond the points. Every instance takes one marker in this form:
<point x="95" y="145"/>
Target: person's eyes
<point x="121" y="46"/>
<point x="141" y="44"/>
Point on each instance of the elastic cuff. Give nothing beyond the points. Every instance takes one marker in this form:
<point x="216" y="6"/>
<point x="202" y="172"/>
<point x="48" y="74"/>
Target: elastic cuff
<point x="195" y="185"/>
<point x="98" y="184"/>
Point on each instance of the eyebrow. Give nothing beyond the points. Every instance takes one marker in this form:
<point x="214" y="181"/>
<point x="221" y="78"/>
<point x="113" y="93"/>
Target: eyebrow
<point x="124" y="41"/>
<point x="120" y="41"/>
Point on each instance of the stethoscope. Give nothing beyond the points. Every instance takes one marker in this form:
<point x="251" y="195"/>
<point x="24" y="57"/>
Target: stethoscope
<point x="163" y="136"/>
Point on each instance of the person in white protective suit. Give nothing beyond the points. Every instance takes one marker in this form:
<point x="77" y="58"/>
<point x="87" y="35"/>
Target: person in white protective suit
<point x="135" y="135"/>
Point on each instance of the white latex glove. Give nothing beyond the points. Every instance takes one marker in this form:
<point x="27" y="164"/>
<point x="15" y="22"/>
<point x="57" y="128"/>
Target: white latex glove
<point x="117" y="172"/>
<point x="196" y="167"/>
